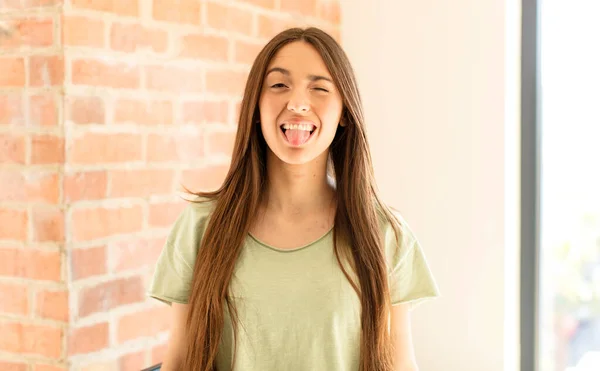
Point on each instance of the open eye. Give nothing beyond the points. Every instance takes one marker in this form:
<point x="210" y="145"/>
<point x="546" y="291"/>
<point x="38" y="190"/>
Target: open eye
<point x="279" y="86"/>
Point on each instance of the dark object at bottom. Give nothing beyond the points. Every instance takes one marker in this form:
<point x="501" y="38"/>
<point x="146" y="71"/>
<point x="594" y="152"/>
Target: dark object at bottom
<point x="153" y="368"/>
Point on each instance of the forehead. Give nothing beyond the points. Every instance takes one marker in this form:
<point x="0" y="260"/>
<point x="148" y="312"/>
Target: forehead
<point x="300" y="58"/>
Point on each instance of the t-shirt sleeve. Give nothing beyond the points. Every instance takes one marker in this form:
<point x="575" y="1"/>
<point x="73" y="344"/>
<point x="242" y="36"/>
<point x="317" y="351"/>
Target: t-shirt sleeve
<point x="410" y="278"/>
<point x="172" y="278"/>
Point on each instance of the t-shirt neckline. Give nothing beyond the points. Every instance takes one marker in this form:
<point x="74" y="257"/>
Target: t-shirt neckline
<point x="290" y="250"/>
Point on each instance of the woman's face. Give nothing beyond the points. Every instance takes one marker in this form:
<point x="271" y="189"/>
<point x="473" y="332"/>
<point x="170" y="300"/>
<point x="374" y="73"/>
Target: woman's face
<point x="300" y="107"/>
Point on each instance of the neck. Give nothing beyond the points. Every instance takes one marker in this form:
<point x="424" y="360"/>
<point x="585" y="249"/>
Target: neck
<point x="297" y="190"/>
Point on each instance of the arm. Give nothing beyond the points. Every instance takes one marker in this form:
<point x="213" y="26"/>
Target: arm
<point x="175" y="347"/>
<point x="400" y="331"/>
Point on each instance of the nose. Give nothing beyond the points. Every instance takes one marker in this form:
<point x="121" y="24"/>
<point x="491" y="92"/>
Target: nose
<point x="298" y="102"/>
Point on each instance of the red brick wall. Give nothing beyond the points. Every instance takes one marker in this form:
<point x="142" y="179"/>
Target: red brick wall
<point x="106" y="107"/>
<point x="34" y="312"/>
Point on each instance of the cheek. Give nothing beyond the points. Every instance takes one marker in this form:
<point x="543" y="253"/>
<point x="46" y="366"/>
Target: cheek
<point x="262" y="108"/>
<point x="330" y="113"/>
<point x="268" y="115"/>
<point x="269" y="107"/>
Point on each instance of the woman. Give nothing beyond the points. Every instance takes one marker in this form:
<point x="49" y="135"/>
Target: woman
<point x="296" y="246"/>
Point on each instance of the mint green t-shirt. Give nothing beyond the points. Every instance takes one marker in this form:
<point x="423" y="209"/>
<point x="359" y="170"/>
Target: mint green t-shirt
<point x="298" y="311"/>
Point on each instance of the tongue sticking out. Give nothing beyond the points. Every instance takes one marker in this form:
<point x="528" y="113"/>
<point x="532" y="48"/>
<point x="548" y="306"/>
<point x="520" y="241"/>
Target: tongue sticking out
<point x="297" y="137"/>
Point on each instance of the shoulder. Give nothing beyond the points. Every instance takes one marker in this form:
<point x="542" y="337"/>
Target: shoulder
<point x="174" y="269"/>
<point x="411" y="279"/>
<point x="191" y="221"/>
<point x="398" y="237"/>
<point x="394" y="221"/>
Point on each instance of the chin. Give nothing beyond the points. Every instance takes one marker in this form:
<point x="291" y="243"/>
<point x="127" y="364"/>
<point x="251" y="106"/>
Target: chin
<point x="294" y="158"/>
<point x="297" y="156"/>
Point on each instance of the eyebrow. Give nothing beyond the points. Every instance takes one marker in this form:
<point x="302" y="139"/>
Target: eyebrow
<point x="287" y="73"/>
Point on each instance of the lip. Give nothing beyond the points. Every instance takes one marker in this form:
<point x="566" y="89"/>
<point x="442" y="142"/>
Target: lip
<point x="297" y="121"/>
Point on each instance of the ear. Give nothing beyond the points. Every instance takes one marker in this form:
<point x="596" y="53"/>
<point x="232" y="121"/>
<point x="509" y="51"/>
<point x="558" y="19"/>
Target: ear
<point x="343" y="123"/>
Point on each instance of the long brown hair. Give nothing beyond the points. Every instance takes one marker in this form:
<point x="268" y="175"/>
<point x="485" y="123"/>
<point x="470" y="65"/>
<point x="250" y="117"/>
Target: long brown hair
<point x="357" y="234"/>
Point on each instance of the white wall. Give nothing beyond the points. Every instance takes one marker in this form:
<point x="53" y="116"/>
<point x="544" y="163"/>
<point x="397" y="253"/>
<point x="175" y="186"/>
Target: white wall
<point x="439" y="81"/>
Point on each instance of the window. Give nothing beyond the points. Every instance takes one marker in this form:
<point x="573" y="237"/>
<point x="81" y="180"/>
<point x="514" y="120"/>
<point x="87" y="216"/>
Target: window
<point x="560" y="296"/>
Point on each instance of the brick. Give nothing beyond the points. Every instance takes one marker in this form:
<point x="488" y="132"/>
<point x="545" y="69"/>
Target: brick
<point x="207" y="178"/>
<point x="226" y="82"/>
<point x="176" y="11"/>
<point x="329" y="10"/>
<point x="90" y="185"/>
<point x="47" y="149"/>
<point x="12" y="149"/>
<point x="303" y="7"/>
<point x="52" y="305"/>
<point x="14" y="299"/>
<point x="41" y="367"/>
<point x="269" y="26"/>
<point x="134" y="253"/>
<point x="175" y="147"/>
<point x="202" y="112"/>
<point x="132" y="361"/>
<point x="11" y="108"/>
<point x="12" y="366"/>
<point x="140" y="183"/>
<point x="268" y="4"/>
<point x="246" y="52"/>
<point x="174" y="79"/>
<point x="164" y="214"/>
<point x="83" y="31"/>
<point x="158" y="354"/>
<point x="104" y="73"/>
<point x="131" y="37"/>
<point x="101" y="366"/>
<point x="229" y="18"/>
<point x="88" y="339"/>
<point x="89" y="224"/>
<point x="48" y="224"/>
<point x="143" y="112"/>
<point x="109" y="295"/>
<point x="31" y="264"/>
<point x="88" y="262"/>
<point x="86" y="110"/>
<point x="31" y="339"/>
<point x="221" y="143"/>
<point x="95" y="148"/>
<point x="205" y="46"/>
<point x="43" y="110"/>
<point x="13" y="72"/>
<point x="28" y="4"/>
<point x="46" y="70"/>
<point x="29" y="186"/>
<point x="14" y="224"/>
<point x="143" y="324"/>
<point x="120" y="7"/>
<point x="31" y="32"/>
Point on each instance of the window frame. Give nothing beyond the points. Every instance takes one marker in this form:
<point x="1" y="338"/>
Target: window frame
<point x="530" y="186"/>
